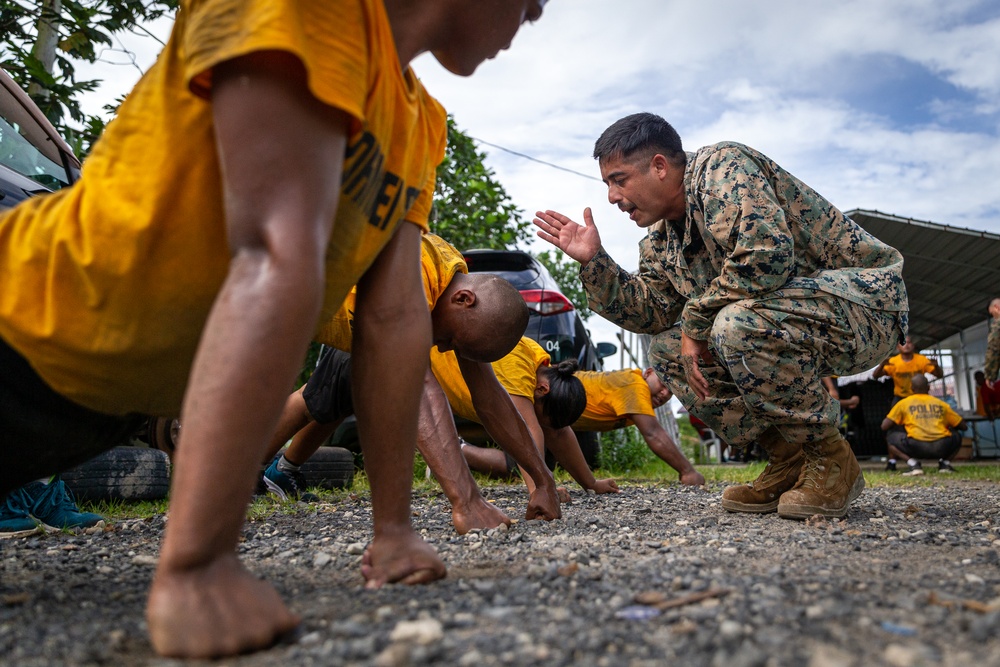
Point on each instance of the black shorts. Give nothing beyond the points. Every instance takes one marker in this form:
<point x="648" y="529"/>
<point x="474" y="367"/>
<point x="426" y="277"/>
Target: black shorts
<point x="944" y="448"/>
<point x="42" y="432"/>
<point x="328" y="392"/>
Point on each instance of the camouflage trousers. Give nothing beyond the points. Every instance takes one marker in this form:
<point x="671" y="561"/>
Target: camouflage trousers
<point x="770" y="355"/>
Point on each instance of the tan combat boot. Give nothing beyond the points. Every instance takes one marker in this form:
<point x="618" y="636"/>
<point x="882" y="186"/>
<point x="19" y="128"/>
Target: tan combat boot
<point x="785" y="461"/>
<point x="830" y="481"/>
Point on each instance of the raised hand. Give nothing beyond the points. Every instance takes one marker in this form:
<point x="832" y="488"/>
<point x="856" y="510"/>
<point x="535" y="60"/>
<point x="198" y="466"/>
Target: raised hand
<point x="581" y="242"/>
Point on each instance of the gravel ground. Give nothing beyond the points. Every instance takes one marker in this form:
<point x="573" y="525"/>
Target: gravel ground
<point x="656" y="575"/>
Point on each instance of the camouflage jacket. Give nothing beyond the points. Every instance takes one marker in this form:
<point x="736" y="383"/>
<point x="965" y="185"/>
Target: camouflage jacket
<point x="993" y="351"/>
<point x="751" y="228"/>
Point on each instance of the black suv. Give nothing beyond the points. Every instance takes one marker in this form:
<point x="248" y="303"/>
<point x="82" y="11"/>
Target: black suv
<point x="554" y="323"/>
<point x="33" y="157"/>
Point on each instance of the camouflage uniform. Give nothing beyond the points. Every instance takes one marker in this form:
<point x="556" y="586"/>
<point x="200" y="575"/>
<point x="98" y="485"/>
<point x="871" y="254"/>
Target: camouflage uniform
<point x="993" y="351"/>
<point x="784" y="286"/>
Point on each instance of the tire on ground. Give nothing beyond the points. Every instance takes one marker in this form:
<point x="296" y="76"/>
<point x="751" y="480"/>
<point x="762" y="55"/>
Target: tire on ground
<point x="330" y="468"/>
<point x="122" y="473"/>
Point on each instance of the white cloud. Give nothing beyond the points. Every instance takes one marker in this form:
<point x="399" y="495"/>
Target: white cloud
<point x="831" y="91"/>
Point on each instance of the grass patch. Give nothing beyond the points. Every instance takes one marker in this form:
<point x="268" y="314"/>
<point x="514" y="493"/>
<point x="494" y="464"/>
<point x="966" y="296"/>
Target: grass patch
<point x="624" y="457"/>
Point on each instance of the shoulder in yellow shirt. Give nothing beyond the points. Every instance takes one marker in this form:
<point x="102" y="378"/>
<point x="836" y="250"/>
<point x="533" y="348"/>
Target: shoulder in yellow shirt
<point x="611" y="397"/>
<point x="107" y="284"/>
<point x="439" y="262"/>
<point x="517" y="373"/>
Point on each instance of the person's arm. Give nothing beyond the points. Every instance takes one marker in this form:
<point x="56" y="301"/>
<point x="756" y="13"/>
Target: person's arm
<point x="392" y="335"/>
<point x="888" y="424"/>
<point x="508" y="426"/>
<point x="565" y="447"/>
<point x="663" y="446"/>
<point x="880" y="370"/>
<point x="440" y="446"/>
<point x="934" y="368"/>
<point x="644" y="302"/>
<point x="203" y="602"/>
<point x="831" y="387"/>
<point x="992" y="368"/>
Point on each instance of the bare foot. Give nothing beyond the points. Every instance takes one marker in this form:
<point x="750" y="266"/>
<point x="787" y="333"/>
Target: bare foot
<point x="216" y="610"/>
<point x="479" y="514"/>
<point x="543" y="504"/>
<point x="401" y="558"/>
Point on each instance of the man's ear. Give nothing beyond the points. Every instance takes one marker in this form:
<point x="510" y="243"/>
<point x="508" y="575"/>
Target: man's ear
<point x="464" y="297"/>
<point x="659" y="164"/>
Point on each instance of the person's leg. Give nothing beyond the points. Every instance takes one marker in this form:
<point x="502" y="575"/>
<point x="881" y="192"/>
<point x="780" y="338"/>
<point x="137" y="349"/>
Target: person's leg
<point x="294" y="417"/>
<point x="895" y="439"/>
<point x="949" y="447"/>
<point x="489" y="461"/>
<point x="310" y="417"/>
<point x="777" y="350"/>
<point x="43" y="432"/>
<point x="728" y="414"/>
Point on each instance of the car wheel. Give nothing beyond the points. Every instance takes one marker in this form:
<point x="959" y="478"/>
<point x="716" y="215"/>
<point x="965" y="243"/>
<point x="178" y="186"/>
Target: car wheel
<point x="330" y="468"/>
<point x="163" y="433"/>
<point x="121" y="473"/>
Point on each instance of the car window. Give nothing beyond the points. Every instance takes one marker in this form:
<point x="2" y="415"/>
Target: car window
<point x="20" y="155"/>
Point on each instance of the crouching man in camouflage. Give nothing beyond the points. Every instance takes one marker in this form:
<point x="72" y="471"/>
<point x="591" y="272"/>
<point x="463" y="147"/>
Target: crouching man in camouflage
<point x="755" y="287"/>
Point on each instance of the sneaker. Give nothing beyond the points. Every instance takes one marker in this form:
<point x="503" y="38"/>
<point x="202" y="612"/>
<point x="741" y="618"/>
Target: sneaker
<point x="56" y="507"/>
<point x="890" y="466"/>
<point x="15" y="512"/>
<point x="914" y="470"/>
<point x="287" y="484"/>
<point x="944" y="466"/>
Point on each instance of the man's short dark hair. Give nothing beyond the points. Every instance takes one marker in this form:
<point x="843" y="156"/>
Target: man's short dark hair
<point x="638" y="138"/>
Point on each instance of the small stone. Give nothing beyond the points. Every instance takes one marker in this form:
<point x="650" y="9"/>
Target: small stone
<point x="423" y="631"/>
<point x="321" y="559"/>
<point x="356" y="548"/>
<point x="145" y="559"/>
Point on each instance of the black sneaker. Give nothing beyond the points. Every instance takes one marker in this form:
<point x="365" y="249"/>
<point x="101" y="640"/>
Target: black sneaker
<point x="915" y="470"/>
<point x="944" y="466"/>
<point x="890" y="466"/>
<point x="287" y="484"/>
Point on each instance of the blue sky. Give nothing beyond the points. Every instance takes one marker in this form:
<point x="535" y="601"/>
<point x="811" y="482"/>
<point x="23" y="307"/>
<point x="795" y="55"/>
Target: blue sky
<point x="891" y="105"/>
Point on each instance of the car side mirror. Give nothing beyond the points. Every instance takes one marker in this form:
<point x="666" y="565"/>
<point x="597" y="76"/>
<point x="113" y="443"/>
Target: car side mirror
<point x="606" y="349"/>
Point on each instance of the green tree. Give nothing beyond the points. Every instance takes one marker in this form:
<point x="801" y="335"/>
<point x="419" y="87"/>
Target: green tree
<point x="471" y="208"/>
<point x="41" y="40"/>
<point x="567" y="273"/>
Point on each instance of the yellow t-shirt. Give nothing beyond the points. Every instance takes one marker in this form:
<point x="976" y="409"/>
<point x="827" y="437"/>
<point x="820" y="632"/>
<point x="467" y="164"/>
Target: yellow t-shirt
<point x="439" y="262"/>
<point x="611" y="397"/>
<point x="106" y="285"/>
<point x="517" y="373"/>
<point x="925" y="417"/>
<point x="902" y="372"/>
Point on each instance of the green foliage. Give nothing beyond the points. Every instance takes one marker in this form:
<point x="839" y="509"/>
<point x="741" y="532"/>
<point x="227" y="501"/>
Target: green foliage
<point x="45" y="67"/>
<point x="471" y="208"/>
<point x="567" y="273"/>
<point x="624" y="451"/>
